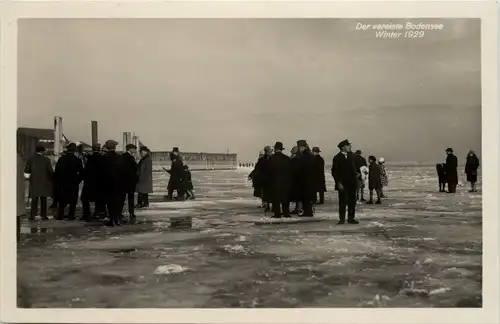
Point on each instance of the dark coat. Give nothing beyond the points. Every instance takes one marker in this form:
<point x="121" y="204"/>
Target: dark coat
<point x="471" y="166"/>
<point x="257" y="191"/>
<point x="280" y="171"/>
<point x="440" y="168"/>
<point x="92" y="177"/>
<point x="145" y="175"/>
<point x="306" y="176"/>
<point x="294" y="183"/>
<point x="374" y="177"/>
<point x="451" y="169"/>
<point x="112" y="175"/>
<point x="344" y="170"/>
<point x="261" y="178"/>
<point x="41" y="176"/>
<point x="359" y="161"/>
<point x="129" y="172"/>
<point x="187" y="183"/>
<point x="68" y="175"/>
<point x="176" y="174"/>
<point x="319" y="178"/>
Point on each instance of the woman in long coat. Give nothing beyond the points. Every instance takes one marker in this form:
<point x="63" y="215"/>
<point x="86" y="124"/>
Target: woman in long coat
<point x="374" y="179"/>
<point x="257" y="187"/>
<point x="471" y="166"/>
<point x="262" y="178"/>
<point x="383" y="176"/>
<point x="145" y="178"/>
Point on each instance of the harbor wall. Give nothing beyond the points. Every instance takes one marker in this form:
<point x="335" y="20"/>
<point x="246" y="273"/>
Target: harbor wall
<point x="197" y="161"/>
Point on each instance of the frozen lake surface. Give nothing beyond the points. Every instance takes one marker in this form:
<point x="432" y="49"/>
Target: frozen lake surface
<point x="420" y="248"/>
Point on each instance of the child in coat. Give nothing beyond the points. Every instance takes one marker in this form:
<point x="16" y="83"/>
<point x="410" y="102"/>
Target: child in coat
<point x="374" y="179"/>
<point x="187" y="183"/>
<point x="441" y="171"/>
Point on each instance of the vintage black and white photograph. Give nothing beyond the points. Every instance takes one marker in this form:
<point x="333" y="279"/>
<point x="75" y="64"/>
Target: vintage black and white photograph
<point x="249" y="163"/>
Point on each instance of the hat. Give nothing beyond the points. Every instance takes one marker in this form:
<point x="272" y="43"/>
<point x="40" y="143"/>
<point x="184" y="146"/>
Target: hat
<point x="130" y="147"/>
<point x="71" y="147"/>
<point x="278" y="146"/>
<point x="110" y="144"/>
<point x="301" y="143"/>
<point x="39" y="148"/>
<point x="316" y="149"/>
<point x="343" y="143"/>
<point x="373" y="158"/>
<point x="144" y="149"/>
<point x="358" y="152"/>
<point x="96" y="147"/>
<point x="381" y="160"/>
<point x="267" y="149"/>
<point x="449" y="149"/>
<point x="294" y="150"/>
<point x="175" y="149"/>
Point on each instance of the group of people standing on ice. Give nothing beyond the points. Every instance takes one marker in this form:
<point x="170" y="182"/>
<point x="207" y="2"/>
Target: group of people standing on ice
<point x="109" y="179"/>
<point x="300" y="179"/>
<point x="448" y="174"/>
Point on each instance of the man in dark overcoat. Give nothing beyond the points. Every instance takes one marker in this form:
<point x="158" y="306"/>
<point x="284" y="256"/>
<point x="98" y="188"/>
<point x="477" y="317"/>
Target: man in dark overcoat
<point x="112" y="182"/>
<point x="280" y="169"/>
<point x="68" y="175"/>
<point x="176" y="175"/>
<point x="295" y="188"/>
<point x="145" y="178"/>
<point x="263" y="179"/>
<point x="345" y="175"/>
<point x="306" y="179"/>
<point x="92" y="179"/>
<point x="451" y="170"/>
<point x="129" y="173"/>
<point x="319" y="178"/>
<point x="39" y="169"/>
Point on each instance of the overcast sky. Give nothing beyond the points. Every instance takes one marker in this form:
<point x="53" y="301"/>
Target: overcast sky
<point x="239" y="84"/>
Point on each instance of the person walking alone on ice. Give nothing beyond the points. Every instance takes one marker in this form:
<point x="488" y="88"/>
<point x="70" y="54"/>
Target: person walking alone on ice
<point x="374" y="179"/>
<point x="451" y="170"/>
<point x="383" y="176"/>
<point x="129" y="169"/>
<point x="360" y="162"/>
<point x="345" y="175"/>
<point x="112" y="182"/>
<point x="320" y="181"/>
<point x="280" y="169"/>
<point x="145" y="178"/>
<point x="306" y="179"/>
<point x="68" y="175"/>
<point x="471" y="166"/>
<point x="91" y="191"/>
<point x="39" y="171"/>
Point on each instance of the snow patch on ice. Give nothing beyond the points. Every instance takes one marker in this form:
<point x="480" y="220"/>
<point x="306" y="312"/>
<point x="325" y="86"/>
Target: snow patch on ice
<point x="170" y="269"/>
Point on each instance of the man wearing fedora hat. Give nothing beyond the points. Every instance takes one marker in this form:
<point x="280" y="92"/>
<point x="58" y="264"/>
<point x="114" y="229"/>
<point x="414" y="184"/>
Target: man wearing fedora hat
<point x="345" y="175"/>
<point x="320" y="181"/>
<point x="91" y="191"/>
<point x="306" y="179"/>
<point x="112" y="181"/>
<point x="451" y="170"/>
<point x="280" y="170"/>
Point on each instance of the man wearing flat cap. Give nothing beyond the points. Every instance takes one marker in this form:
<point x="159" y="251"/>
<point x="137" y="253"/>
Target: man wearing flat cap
<point x="39" y="169"/>
<point x="280" y="170"/>
<point x="319" y="179"/>
<point x="112" y="182"/>
<point x="129" y="169"/>
<point x="68" y="175"/>
<point x="345" y="175"/>
<point x="306" y="179"/>
<point x="451" y="170"/>
<point x="92" y="189"/>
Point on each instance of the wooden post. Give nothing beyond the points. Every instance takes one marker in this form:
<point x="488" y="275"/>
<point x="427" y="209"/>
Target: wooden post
<point x="93" y="126"/>
<point x="129" y="138"/>
<point x="58" y="137"/>
<point x="124" y="143"/>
